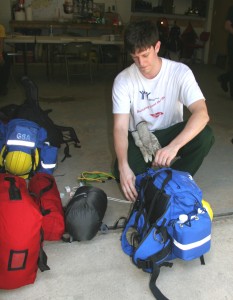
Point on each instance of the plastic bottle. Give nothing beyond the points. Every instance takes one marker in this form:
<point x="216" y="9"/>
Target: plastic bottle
<point x="182" y="219"/>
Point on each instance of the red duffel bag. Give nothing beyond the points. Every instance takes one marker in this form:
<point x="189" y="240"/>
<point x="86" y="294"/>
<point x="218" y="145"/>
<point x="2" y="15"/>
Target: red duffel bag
<point x="21" y="251"/>
<point x="43" y="189"/>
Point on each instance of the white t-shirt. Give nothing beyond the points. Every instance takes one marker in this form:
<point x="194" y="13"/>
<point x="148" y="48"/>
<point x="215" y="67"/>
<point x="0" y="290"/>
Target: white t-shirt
<point x="158" y="101"/>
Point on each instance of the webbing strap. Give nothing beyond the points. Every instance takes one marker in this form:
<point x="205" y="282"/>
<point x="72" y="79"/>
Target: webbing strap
<point x="66" y="152"/>
<point x="48" y="187"/>
<point x="155" y="258"/>
<point x="14" y="192"/>
<point x="153" y="262"/>
<point x="152" y="284"/>
<point x="202" y="259"/>
<point x="33" y="168"/>
<point x="42" y="259"/>
<point x="166" y="180"/>
<point x="44" y="190"/>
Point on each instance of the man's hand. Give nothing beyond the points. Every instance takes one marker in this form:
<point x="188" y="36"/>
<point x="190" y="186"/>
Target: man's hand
<point x="127" y="181"/>
<point x="165" y="157"/>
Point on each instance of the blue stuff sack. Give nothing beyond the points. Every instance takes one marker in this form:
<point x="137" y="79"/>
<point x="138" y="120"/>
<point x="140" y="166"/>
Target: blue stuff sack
<point x="23" y="135"/>
<point x="48" y="159"/>
<point x="20" y="137"/>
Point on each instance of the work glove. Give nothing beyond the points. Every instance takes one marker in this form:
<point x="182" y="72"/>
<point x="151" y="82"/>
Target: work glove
<point x="147" y="157"/>
<point x="148" y="139"/>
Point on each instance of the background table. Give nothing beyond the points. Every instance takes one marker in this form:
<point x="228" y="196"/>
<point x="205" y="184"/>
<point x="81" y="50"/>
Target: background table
<point x="51" y="40"/>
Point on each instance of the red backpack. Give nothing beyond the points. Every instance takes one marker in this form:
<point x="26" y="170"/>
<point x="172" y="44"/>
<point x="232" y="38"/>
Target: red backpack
<point x="43" y="189"/>
<point x="21" y="234"/>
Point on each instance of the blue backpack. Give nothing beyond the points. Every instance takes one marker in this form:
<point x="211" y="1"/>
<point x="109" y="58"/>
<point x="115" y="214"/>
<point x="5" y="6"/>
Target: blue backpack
<point x="26" y="136"/>
<point x="167" y="221"/>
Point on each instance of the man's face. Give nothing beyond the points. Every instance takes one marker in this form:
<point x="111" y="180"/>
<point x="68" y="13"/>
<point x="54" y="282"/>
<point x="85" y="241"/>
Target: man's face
<point x="146" y="60"/>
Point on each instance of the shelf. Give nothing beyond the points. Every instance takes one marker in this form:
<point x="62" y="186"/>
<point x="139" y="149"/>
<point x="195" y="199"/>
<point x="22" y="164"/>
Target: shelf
<point x="181" y="20"/>
<point x="66" y="26"/>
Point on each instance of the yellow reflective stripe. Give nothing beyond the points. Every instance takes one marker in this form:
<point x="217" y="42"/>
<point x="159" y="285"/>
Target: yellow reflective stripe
<point x="20" y="143"/>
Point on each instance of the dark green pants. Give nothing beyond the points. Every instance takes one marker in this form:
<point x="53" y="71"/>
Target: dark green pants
<point x="191" y="155"/>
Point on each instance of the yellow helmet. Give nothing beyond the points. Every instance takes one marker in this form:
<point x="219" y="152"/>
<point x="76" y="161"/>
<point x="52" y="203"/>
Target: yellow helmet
<point x="19" y="163"/>
<point x="208" y="208"/>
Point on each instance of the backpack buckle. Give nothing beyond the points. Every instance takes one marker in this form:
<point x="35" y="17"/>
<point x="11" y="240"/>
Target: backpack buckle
<point x="158" y="236"/>
<point x="144" y="264"/>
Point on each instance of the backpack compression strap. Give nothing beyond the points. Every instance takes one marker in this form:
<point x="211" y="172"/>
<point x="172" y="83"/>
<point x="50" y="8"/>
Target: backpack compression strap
<point x="152" y="284"/>
<point x="154" y="263"/>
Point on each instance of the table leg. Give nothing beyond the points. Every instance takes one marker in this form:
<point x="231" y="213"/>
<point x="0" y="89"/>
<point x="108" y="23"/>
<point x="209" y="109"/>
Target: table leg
<point x="48" y="61"/>
<point x="25" y="59"/>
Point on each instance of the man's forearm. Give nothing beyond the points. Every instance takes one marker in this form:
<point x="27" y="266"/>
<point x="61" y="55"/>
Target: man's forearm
<point x="121" y="148"/>
<point x="194" y="126"/>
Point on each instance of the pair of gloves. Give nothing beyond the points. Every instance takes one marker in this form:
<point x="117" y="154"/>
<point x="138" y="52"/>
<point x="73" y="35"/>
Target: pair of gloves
<point x="146" y="141"/>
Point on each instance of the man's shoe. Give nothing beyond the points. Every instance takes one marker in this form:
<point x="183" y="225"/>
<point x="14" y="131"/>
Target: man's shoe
<point x="223" y="84"/>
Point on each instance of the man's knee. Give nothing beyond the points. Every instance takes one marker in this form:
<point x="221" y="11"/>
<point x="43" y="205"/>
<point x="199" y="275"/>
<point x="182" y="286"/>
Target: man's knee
<point x="206" y="138"/>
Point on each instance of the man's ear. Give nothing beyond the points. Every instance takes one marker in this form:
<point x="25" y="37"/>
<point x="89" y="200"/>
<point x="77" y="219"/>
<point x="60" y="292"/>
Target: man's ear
<point x="157" y="47"/>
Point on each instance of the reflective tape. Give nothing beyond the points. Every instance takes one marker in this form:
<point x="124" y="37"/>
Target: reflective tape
<point x="21" y="143"/>
<point x="192" y="245"/>
<point x="47" y="166"/>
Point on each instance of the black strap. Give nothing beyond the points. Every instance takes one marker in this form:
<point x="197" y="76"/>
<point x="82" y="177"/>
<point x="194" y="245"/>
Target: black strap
<point x="152" y="284"/>
<point x="69" y="135"/>
<point x="166" y="180"/>
<point x="14" y="192"/>
<point x="42" y="259"/>
<point x="42" y="191"/>
<point x="66" y="152"/>
<point x="202" y="260"/>
<point x="33" y="168"/>
<point x="159" y="256"/>
<point x="104" y="228"/>
<point x="153" y="262"/>
<point x="48" y="187"/>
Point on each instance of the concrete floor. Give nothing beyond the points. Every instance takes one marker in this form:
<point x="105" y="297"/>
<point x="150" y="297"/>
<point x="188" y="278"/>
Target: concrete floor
<point x="98" y="269"/>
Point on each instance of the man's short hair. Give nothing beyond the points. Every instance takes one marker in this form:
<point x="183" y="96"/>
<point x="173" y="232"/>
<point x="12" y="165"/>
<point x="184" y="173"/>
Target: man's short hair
<point x="140" y="36"/>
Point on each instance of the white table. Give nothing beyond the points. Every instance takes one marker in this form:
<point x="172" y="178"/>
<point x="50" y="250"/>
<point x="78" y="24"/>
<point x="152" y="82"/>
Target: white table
<point x="49" y="41"/>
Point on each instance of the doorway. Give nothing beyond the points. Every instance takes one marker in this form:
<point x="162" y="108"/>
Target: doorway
<point x="218" y="40"/>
